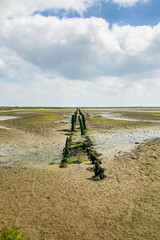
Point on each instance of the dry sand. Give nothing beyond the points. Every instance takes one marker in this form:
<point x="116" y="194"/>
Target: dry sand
<point x="53" y="203"/>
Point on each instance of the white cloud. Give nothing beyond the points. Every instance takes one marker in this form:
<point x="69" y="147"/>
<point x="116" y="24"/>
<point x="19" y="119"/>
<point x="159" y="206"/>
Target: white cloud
<point x="51" y="61"/>
<point x="1" y="63"/>
<point x="15" y="8"/>
<point x="89" y="51"/>
<point x="58" y="45"/>
<point x="128" y="3"/>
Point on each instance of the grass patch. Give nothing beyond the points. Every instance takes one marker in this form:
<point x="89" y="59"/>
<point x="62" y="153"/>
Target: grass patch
<point x="107" y="131"/>
<point x="34" y="122"/>
<point x="11" y="234"/>
<point x="110" y="122"/>
<point x="92" y="115"/>
<point x="12" y="108"/>
<point x="18" y="163"/>
<point x="47" y="115"/>
<point x="155" y="115"/>
<point x="104" y="120"/>
<point x="8" y="113"/>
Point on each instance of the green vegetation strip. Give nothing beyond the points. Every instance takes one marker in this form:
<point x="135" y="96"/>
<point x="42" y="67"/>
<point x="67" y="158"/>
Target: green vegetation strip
<point x="11" y="234"/>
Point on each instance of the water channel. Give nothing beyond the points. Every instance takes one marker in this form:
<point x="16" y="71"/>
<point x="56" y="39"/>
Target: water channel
<point x="3" y="118"/>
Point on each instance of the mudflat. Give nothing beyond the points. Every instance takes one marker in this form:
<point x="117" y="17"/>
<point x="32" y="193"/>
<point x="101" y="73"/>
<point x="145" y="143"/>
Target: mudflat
<point x="48" y="202"/>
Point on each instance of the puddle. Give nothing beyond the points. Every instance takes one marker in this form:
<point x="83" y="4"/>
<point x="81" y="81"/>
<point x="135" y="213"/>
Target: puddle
<point x="3" y="118"/>
<point x="5" y="127"/>
<point x="104" y="142"/>
<point x="118" y="117"/>
<point x="112" y="116"/>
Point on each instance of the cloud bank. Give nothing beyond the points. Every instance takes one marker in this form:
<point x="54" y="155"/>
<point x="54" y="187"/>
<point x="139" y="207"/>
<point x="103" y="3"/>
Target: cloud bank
<point x="76" y="61"/>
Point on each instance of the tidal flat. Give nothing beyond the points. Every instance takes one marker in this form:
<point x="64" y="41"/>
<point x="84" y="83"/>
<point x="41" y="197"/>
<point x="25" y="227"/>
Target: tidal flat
<point x="48" y="202"/>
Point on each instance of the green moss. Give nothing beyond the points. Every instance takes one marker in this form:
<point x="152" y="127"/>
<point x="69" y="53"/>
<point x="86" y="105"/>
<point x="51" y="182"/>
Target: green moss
<point x="92" y="115"/>
<point x="17" y="108"/>
<point x="51" y="163"/>
<point x="98" y="171"/>
<point x="81" y="126"/>
<point x="73" y="120"/>
<point x="65" y="160"/>
<point x="79" y="145"/>
<point x="47" y="115"/>
<point x="43" y="114"/>
<point x="104" y="120"/>
<point x="66" y="150"/>
<point x="78" y="159"/>
<point x="147" y="139"/>
<point x="8" y="113"/>
<point x="36" y="123"/>
<point x="63" y="165"/>
<point x="18" y="164"/>
<point x="84" y="121"/>
<point x="155" y="115"/>
<point x="107" y="132"/>
<point x="11" y="234"/>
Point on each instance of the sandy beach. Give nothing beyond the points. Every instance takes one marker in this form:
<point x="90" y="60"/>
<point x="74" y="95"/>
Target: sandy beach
<point x="48" y="202"/>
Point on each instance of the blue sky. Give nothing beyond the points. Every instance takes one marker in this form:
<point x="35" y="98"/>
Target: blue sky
<point x="138" y="15"/>
<point x="80" y="53"/>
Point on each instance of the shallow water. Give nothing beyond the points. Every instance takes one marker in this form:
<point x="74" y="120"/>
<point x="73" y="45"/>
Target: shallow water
<point x="115" y="117"/>
<point x="110" y="140"/>
<point x="119" y="117"/>
<point x="3" y="127"/>
<point x="3" y="118"/>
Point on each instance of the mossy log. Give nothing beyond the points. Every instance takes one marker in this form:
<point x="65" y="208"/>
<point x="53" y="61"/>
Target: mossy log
<point x="73" y="123"/>
<point x="66" y="149"/>
<point x="99" y="172"/>
<point x="81" y="126"/>
<point x="84" y="121"/>
<point x="94" y="158"/>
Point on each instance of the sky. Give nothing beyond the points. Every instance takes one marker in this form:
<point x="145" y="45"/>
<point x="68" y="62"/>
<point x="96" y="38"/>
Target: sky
<point x="103" y="53"/>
